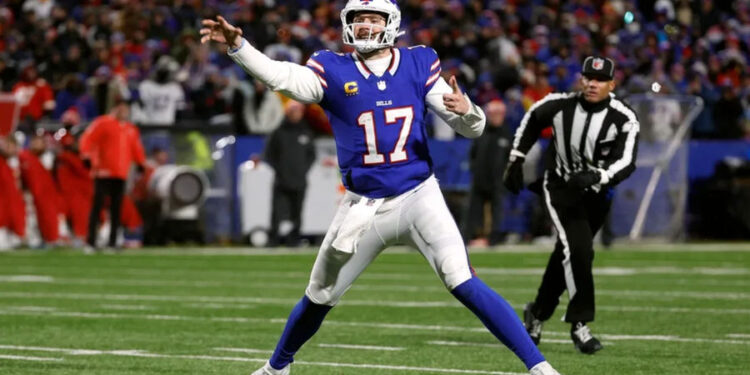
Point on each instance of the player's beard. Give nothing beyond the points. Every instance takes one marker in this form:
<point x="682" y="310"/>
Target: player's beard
<point x="370" y="35"/>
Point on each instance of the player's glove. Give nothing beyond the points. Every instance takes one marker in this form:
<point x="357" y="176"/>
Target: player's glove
<point x="513" y="176"/>
<point x="584" y="179"/>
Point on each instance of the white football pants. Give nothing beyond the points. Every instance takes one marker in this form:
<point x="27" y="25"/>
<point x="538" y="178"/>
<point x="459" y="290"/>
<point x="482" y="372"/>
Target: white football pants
<point x="418" y="217"/>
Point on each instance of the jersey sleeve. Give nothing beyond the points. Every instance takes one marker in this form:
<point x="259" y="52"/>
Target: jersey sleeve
<point x="538" y="117"/>
<point x="316" y="64"/>
<point x="291" y="79"/>
<point x="621" y="163"/>
<point x="432" y="68"/>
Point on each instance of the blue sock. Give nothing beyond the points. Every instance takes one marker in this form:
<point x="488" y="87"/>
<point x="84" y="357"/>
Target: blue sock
<point x="499" y="318"/>
<point x="303" y="322"/>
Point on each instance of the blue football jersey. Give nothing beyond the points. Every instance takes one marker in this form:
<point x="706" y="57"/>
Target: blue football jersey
<point x="378" y="122"/>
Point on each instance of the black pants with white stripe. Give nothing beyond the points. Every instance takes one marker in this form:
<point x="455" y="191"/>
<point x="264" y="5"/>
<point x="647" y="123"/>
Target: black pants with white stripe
<point x="577" y="216"/>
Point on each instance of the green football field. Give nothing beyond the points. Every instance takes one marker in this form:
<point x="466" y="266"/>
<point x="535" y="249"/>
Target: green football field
<point x="661" y="310"/>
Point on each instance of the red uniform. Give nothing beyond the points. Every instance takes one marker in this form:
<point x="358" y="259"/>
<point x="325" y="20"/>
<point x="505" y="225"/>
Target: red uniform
<point x="77" y="189"/>
<point x="112" y="146"/>
<point x="12" y="208"/>
<point x="34" y="98"/>
<point x="129" y="216"/>
<point x="39" y="182"/>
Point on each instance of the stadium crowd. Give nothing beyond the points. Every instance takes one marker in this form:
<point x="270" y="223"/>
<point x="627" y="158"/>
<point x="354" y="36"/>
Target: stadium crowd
<point x="78" y="58"/>
<point x="87" y="52"/>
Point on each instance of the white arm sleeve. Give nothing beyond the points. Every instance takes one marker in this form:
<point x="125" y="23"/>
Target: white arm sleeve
<point x="293" y="80"/>
<point x="470" y="125"/>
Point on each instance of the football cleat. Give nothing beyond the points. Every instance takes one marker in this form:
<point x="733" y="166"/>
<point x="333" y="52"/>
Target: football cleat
<point x="532" y="324"/>
<point x="583" y="340"/>
<point x="268" y="370"/>
<point x="543" y="368"/>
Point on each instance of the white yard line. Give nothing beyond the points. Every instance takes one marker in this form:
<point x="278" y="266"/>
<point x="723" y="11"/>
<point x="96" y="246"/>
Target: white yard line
<point x="145" y="354"/>
<point x="624" y="271"/>
<point x="244" y="350"/>
<point x="653" y="309"/>
<point x="739" y="335"/>
<point x="491" y="345"/>
<point x="25" y="279"/>
<point x="244" y="301"/>
<point x="397" y="326"/>
<point x="32" y="308"/>
<point x="26" y="358"/>
<point x="215" y="299"/>
<point x="363" y="347"/>
<point x="126" y="307"/>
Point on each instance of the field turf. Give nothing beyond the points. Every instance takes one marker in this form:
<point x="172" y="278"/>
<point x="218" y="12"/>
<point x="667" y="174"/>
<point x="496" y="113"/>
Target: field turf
<point x="661" y="310"/>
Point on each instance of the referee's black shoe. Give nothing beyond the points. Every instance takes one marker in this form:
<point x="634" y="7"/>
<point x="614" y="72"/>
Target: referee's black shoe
<point x="583" y="340"/>
<point x="532" y="324"/>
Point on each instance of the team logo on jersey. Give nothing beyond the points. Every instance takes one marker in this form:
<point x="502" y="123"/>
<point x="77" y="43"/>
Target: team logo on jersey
<point x="351" y="88"/>
<point x="381" y="85"/>
<point x="597" y="64"/>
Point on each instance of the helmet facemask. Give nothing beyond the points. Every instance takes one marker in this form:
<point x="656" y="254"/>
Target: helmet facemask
<point x="378" y="36"/>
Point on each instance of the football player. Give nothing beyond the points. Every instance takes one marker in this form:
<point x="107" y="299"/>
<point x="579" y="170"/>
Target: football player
<point x="376" y="99"/>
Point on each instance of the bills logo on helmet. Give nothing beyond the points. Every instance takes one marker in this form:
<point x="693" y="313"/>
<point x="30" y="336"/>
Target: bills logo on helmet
<point x="597" y="64"/>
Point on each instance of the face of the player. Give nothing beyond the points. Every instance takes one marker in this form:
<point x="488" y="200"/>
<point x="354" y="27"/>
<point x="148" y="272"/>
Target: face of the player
<point x="368" y="25"/>
<point x="596" y="89"/>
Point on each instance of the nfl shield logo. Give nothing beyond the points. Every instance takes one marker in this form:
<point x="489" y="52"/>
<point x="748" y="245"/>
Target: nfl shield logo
<point x="597" y="64"/>
<point x="381" y="85"/>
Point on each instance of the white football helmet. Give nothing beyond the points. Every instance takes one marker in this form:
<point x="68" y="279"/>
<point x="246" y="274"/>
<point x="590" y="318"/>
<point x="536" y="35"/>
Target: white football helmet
<point x="386" y="38"/>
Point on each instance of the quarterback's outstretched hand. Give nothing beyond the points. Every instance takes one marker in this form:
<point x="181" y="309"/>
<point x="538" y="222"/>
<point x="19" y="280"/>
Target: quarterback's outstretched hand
<point x="455" y="101"/>
<point x="221" y="31"/>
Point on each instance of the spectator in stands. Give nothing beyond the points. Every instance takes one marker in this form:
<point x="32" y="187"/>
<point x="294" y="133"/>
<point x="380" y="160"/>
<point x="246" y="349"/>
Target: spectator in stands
<point x="728" y="112"/>
<point x="257" y="109"/>
<point x="35" y="96"/>
<point x="111" y="144"/>
<point x="160" y="97"/>
<point x="8" y="73"/>
<point x="698" y="85"/>
<point x="488" y="157"/>
<point x="283" y="50"/>
<point x="106" y="88"/>
<point x="75" y="96"/>
<point x="41" y="8"/>
<point x="38" y="181"/>
<point x="291" y="152"/>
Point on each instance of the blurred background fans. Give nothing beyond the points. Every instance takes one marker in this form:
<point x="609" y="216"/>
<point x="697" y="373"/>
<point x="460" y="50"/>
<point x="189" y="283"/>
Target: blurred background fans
<point x="204" y="122"/>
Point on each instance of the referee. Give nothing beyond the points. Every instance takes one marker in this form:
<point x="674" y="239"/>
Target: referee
<point x="594" y="148"/>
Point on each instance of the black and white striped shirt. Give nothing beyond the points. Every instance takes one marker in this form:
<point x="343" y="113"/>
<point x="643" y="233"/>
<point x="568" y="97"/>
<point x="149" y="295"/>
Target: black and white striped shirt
<point x="601" y="136"/>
